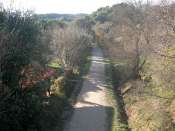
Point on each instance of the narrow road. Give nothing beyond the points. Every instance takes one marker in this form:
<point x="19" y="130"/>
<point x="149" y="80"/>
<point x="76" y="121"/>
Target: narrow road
<point x="90" y="109"/>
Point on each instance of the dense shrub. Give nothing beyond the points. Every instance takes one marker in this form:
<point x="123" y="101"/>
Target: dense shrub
<point x="32" y="95"/>
<point x="139" y="39"/>
<point x="51" y="114"/>
<point x="20" y="46"/>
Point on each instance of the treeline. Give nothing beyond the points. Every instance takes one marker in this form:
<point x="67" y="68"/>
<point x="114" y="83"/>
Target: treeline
<point x="139" y="38"/>
<point x="64" y="17"/>
<point x="40" y="62"/>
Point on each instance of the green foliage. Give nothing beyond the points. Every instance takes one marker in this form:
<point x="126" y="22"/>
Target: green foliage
<point x="20" y="46"/>
<point x="70" y="83"/>
<point x="57" y="17"/>
<point x="51" y="114"/>
<point x="54" y="65"/>
<point x="116" y="117"/>
<point x="26" y="41"/>
<point x="58" y="86"/>
<point x="20" y="111"/>
<point x="102" y="14"/>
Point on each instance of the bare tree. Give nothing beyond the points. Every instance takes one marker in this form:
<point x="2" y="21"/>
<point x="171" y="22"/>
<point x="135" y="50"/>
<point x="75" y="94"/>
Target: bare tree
<point x="69" y="43"/>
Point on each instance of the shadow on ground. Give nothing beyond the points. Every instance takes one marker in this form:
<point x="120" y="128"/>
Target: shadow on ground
<point x="92" y="111"/>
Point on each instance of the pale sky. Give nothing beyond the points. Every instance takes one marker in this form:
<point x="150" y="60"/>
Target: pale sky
<point x="61" y="6"/>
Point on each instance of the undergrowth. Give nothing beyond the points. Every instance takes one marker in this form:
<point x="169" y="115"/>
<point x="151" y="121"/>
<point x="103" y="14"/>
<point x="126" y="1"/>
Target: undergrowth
<point x="115" y="116"/>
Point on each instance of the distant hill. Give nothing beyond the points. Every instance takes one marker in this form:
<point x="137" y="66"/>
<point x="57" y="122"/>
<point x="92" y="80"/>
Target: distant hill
<point x="65" y="17"/>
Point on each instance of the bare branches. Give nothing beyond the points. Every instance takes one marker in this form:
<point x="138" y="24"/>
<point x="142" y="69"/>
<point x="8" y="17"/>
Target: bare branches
<point x="69" y="43"/>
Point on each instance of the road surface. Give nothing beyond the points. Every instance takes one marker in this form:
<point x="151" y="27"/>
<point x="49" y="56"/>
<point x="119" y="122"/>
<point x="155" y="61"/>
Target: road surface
<point x="90" y="109"/>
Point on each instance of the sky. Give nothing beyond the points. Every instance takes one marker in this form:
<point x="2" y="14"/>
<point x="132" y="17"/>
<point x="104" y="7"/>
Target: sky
<point x="61" y="6"/>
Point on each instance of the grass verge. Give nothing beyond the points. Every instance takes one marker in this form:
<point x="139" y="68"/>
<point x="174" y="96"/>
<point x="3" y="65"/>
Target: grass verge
<point x="117" y="116"/>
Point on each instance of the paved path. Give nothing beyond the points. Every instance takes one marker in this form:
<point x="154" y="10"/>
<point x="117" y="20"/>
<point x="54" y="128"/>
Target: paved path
<point x="89" y="113"/>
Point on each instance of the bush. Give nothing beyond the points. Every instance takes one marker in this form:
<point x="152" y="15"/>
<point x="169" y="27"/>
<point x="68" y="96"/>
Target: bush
<point x="51" y="115"/>
<point x="20" y="46"/>
<point x="64" y="85"/>
<point x="58" y="86"/>
<point x="148" y="115"/>
<point x="19" y="111"/>
<point x="24" y="79"/>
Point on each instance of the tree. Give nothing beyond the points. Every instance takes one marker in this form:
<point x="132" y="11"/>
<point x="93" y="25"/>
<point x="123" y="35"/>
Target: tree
<point x="20" y="46"/>
<point x="69" y="43"/>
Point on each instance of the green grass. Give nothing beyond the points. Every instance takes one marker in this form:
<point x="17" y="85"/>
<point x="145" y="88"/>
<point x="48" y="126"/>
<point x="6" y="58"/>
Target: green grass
<point x="86" y="66"/>
<point x="114" y="116"/>
<point x="54" y="65"/>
